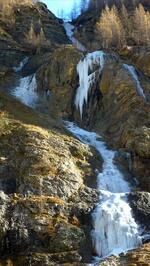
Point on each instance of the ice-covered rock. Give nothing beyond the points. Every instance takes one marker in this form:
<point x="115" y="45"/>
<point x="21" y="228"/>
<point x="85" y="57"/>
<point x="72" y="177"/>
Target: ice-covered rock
<point x="87" y="76"/>
<point x="69" y="28"/>
<point x="114" y="228"/>
<point x="26" y="91"/>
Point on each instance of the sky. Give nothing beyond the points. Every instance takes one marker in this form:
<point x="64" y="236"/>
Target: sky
<point x="56" y="6"/>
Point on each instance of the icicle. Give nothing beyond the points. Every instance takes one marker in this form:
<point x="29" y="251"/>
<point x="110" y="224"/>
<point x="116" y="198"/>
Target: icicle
<point x="85" y="79"/>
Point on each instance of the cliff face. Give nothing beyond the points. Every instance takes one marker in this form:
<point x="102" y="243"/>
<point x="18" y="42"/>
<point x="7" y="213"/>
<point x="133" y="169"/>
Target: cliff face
<point x="20" y="32"/>
<point x="47" y="177"/>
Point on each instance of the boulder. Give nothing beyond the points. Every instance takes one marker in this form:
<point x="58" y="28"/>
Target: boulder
<point x="140" y="203"/>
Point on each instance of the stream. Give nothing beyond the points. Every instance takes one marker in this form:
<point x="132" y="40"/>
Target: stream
<point x="114" y="229"/>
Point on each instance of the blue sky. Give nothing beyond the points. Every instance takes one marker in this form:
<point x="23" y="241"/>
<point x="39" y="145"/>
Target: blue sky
<point x="56" y="6"/>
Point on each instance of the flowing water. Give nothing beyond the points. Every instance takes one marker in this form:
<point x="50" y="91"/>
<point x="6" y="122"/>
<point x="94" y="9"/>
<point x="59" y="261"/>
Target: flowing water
<point x="114" y="228"/>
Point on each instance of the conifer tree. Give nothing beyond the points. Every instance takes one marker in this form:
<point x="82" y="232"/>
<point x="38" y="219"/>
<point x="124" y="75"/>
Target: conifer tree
<point x="109" y="29"/>
<point x="141" y="20"/>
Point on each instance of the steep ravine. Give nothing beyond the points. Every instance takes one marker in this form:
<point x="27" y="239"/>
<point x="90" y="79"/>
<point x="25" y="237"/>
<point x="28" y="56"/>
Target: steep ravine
<point x="49" y="183"/>
<point x="114" y="228"/>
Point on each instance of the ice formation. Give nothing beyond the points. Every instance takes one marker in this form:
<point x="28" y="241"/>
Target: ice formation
<point x="114" y="228"/>
<point x="87" y="76"/>
<point x="131" y="69"/>
<point x="26" y="91"/>
<point x="69" y="31"/>
<point x="22" y="64"/>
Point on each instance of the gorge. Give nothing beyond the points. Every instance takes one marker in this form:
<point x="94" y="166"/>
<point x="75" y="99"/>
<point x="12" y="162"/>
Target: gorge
<point x="74" y="160"/>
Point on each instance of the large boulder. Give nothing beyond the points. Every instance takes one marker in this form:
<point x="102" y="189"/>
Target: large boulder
<point x="140" y="203"/>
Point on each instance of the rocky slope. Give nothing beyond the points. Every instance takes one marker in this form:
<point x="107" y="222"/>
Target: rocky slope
<point x="45" y="196"/>
<point x="19" y="34"/>
<point x="47" y="177"/>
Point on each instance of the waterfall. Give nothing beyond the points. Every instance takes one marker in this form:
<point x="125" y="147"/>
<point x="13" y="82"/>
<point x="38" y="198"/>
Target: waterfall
<point x="21" y="65"/>
<point x="114" y="228"/>
<point x="26" y="91"/>
<point x="87" y="76"/>
<point x="69" y="28"/>
<point x="131" y="69"/>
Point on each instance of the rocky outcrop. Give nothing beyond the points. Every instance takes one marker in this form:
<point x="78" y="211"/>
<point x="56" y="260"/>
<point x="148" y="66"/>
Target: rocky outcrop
<point x="45" y="200"/>
<point x="19" y="34"/>
<point x="140" y="57"/>
<point x="140" y="203"/>
<point x="85" y="29"/>
<point x="138" y="257"/>
<point x="124" y="118"/>
<point x="59" y="78"/>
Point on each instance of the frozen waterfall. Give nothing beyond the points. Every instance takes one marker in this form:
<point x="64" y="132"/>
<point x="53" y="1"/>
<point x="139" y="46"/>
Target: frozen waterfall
<point x="87" y="76"/>
<point x="131" y="69"/>
<point x="26" y="91"/>
<point x="114" y="228"/>
<point x="69" y="28"/>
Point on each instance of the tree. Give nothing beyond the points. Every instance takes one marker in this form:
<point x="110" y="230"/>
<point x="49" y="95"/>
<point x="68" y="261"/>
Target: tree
<point x="109" y="29"/>
<point x="141" y="22"/>
<point x="36" y="38"/>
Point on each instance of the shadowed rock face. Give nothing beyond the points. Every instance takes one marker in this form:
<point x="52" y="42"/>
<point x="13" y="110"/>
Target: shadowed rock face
<point x="59" y="77"/>
<point x="140" y="203"/>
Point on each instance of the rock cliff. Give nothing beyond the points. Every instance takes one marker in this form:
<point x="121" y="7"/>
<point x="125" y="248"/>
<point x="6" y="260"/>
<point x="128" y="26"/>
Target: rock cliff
<point x="47" y="177"/>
